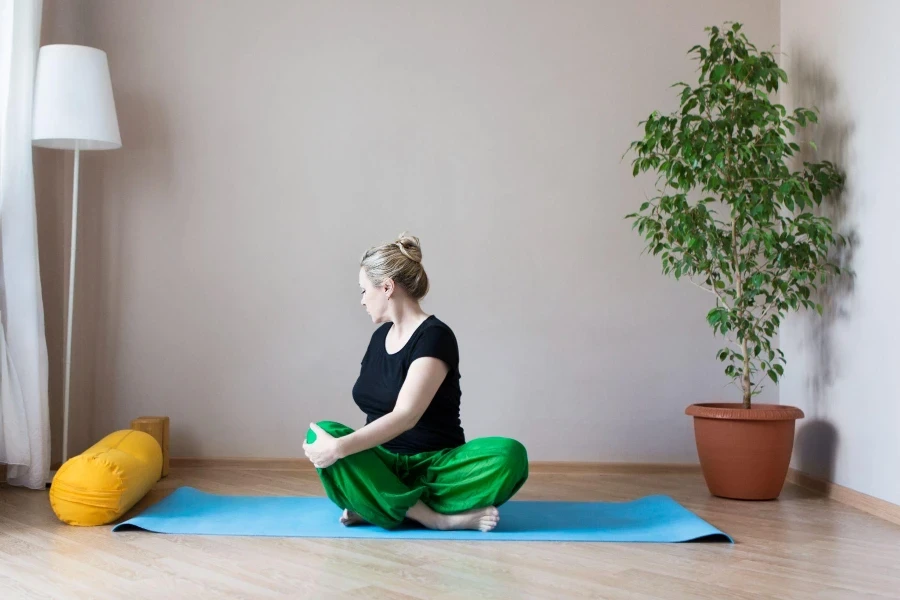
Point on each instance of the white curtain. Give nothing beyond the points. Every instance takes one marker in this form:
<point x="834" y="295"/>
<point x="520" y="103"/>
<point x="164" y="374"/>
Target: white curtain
<point x="24" y="410"/>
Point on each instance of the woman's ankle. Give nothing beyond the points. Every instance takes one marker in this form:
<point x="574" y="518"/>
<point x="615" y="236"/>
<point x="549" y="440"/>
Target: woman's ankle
<point x="422" y="513"/>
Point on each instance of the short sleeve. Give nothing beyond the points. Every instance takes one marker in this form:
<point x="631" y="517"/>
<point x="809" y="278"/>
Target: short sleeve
<point x="437" y="342"/>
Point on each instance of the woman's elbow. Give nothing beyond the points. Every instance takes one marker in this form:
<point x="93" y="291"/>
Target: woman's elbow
<point x="407" y="419"/>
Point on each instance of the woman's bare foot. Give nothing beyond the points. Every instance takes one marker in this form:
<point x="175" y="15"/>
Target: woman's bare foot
<point x="479" y="519"/>
<point x="351" y="518"/>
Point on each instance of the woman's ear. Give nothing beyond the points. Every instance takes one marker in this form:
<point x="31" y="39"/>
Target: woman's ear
<point x="388" y="287"/>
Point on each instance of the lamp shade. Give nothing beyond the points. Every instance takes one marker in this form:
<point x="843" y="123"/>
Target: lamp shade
<point x="73" y="100"/>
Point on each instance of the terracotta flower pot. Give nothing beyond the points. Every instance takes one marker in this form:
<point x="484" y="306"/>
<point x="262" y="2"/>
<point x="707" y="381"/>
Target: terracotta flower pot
<point x="744" y="453"/>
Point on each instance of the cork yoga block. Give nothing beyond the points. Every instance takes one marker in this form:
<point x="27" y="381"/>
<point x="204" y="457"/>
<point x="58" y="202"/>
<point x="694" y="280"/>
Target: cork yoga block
<point x="158" y="427"/>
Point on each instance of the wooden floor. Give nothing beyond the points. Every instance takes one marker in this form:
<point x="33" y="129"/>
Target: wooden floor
<point x="801" y="546"/>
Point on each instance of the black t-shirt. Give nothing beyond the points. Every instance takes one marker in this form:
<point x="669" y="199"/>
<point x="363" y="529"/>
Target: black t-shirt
<point x="382" y="375"/>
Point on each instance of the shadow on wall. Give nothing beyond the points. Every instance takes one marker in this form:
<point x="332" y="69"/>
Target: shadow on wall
<point x="816" y="449"/>
<point x="814" y="85"/>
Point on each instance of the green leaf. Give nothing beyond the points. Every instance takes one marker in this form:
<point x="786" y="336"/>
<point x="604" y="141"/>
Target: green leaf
<point x="736" y="203"/>
<point x="718" y="73"/>
<point x="813" y="145"/>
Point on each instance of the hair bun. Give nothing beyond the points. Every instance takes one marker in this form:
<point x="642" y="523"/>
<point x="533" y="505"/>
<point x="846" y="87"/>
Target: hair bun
<point x="410" y="247"/>
<point x="400" y="260"/>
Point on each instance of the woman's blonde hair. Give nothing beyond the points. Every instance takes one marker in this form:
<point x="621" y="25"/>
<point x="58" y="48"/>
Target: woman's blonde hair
<point x="401" y="261"/>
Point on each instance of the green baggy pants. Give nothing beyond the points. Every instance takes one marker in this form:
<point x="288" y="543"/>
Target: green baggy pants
<point x="380" y="486"/>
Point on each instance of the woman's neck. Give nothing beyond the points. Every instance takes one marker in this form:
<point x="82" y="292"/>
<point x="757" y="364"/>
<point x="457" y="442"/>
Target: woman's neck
<point x="406" y="318"/>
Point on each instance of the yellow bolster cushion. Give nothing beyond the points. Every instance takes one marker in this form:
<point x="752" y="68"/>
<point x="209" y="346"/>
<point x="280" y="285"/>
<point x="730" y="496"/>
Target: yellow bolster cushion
<point x="106" y="480"/>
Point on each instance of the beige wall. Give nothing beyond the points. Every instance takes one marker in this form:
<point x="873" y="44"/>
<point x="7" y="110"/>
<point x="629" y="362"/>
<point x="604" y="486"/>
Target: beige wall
<point x="841" y="368"/>
<point x="267" y="144"/>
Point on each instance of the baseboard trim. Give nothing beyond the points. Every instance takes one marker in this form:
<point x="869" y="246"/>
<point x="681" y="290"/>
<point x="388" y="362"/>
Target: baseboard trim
<point x="258" y="464"/>
<point x="869" y="504"/>
<point x="611" y="468"/>
<point x="301" y="464"/>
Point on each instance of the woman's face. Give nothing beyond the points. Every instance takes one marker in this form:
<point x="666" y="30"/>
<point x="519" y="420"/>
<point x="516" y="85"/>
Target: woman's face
<point x="374" y="299"/>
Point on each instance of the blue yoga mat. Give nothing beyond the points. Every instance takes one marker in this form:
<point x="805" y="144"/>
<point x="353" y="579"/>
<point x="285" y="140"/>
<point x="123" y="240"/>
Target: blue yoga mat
<point x="649" y="519"/>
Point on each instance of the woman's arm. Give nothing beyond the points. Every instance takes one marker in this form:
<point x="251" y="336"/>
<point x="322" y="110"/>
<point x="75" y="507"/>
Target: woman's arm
<point x="423" y="379"/>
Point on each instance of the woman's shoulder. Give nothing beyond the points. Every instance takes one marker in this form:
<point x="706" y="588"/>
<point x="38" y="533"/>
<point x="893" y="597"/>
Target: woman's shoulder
<point x="434" y="332"/>
<point x="433" y="323"/>
<point x="434" y="338"/>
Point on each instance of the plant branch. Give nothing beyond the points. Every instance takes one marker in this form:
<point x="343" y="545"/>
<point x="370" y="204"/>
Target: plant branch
<point x="713" y="291"/>
<point x="769" y="306"/>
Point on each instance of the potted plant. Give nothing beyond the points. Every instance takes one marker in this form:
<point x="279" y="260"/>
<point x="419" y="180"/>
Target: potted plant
<point x="734" y="219"/>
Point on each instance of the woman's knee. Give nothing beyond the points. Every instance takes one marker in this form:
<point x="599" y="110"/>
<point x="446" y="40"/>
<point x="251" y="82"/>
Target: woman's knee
<point x="507" y="453"/>
<point x="333" y="428"/>
<point x="508" y="468"/>
<point x="517" y="456"/>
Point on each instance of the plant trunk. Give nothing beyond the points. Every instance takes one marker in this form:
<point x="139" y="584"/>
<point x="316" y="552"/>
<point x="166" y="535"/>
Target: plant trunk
<point x="745" y="380"/>
<point x="736" y="266"/>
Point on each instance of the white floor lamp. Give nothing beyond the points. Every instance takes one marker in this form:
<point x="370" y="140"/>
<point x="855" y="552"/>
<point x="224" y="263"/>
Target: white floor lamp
<point x="73" y="110"/>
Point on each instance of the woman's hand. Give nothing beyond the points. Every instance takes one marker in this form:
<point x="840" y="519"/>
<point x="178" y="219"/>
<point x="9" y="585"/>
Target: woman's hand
<point x="325" y="451"/>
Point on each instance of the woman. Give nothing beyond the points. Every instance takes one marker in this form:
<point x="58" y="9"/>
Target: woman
<point x="411" y="459"/>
